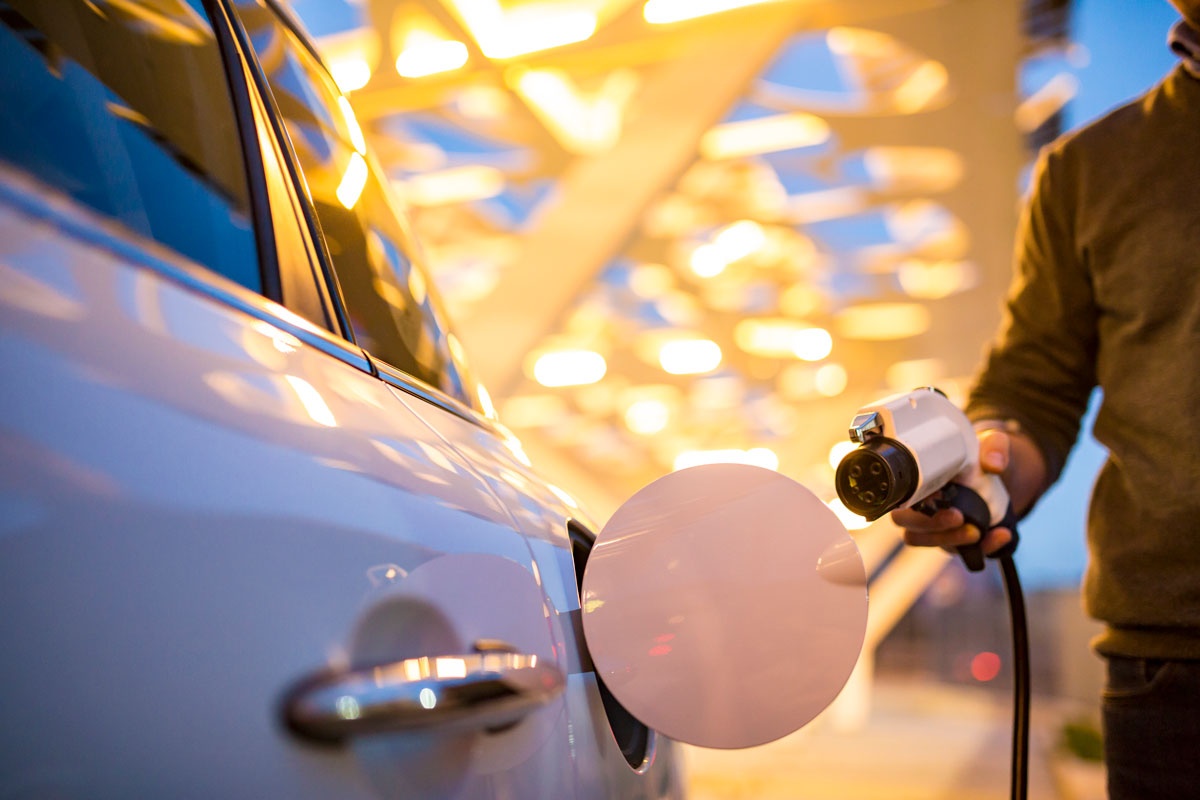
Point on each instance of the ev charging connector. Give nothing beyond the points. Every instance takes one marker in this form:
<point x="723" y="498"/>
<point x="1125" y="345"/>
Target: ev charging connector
<point x="918" y="450"/>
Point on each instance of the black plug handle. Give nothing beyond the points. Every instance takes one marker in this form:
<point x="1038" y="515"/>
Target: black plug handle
<point x="1010" y="522"/>
<point x="975" y="512"/>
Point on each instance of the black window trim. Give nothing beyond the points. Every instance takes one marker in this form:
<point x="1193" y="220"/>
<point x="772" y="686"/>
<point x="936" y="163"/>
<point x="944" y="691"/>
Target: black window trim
<point x="239" y="59"/>
<point x="323" y="277"/>
<point x="233" y="57"/>
<point x="331" y="290"/>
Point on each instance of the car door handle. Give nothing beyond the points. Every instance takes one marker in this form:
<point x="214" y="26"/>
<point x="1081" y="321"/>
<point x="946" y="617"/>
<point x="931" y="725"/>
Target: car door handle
<point x="483" y="691"/>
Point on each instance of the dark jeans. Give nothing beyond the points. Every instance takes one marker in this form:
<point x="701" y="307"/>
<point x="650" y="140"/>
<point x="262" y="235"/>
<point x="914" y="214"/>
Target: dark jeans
<point x="1152" y="729"/>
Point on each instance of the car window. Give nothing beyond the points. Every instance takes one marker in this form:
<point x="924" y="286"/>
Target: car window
<point x="391" y="304"/>
<point x="125" y="107"/>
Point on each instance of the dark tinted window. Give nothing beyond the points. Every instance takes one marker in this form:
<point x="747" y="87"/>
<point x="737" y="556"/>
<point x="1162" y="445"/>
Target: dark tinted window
<point x="391" y="305"/>
<point x="125" y="107"/>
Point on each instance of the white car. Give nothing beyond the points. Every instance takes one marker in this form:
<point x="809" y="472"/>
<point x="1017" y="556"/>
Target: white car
<point x="243" y="459"/>
<point x="259" y="536"/>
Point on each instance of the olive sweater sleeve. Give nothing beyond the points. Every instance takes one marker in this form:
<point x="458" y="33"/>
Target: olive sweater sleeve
<point x="1040" y="370"/>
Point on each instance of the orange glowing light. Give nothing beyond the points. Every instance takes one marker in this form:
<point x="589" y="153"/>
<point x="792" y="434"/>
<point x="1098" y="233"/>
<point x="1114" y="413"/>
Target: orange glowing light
<point x="985" y="666"/>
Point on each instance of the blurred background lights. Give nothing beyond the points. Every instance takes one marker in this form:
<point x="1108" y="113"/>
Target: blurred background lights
<point x="800" y="382"/>
<point x="505" y="33"/>
<point x="764" y="135"/>
<point x="883" y="321"/>
<point x="569" y="368"/>
<point x="906" y="375"/>
<point x="731" y="244"/>
<point x="582" y="123"/>
<point x="931" y="169"/>
<point x="801" y="300"/>
<point x="661" y="12"/>
<point x="598" y="399"/>
<point x="812" y="344"/>
<point x="850" y="521"/>
<point x="722" y="393"/>
<point x="755" y="456"/>
<point x="649" y="281"/>
<point x="782" y="338"/>
<point x="825" y="204"/>
<point x="1047" y="101"/>
<point x="985" y="666"/>
<point x="922" y="88"/>
<point x="647" y="416"/>
<point x="350" y="73"/>
<point x="483" y="102"/>
<point x="831" y="380"/>
<point x="455" y="185"/>
<point x="689" y="356"/>
<point x="931" y="280"/>
<point x="427" y="54"/>
<point x="739" y="239"/>
<point x="839" y="451"/>
<point x="707" y="261"/>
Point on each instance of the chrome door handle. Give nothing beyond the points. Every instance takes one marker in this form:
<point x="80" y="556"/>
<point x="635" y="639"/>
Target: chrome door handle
<point x="487" y="690"/>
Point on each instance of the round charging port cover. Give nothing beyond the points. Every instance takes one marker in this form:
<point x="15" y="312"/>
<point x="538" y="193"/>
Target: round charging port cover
<point x="724" y="605"/>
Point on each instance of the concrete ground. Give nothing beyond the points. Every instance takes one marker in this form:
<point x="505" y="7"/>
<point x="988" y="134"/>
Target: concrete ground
<point x="922" y="741"/>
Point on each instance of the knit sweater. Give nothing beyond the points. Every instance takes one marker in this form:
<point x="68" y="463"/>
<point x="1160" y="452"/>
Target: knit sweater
<point x="1106" y="293"/>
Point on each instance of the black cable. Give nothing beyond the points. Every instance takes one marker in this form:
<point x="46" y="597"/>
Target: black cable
<point x="1020" y="646"/>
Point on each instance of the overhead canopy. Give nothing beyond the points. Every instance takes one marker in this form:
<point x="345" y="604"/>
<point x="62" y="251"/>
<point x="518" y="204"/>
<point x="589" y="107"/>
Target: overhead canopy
<point x="825" y="190"/>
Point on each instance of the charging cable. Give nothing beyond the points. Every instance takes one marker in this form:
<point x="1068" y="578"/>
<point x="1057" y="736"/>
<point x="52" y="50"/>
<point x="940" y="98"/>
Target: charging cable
<point x="1020" y="652"/>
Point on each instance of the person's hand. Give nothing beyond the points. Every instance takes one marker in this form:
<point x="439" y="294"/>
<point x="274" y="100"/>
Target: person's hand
<point x="946" y="528"/>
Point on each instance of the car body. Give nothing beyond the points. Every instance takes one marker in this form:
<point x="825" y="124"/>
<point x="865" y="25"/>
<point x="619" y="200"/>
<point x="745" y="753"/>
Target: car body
<point x="260" y="535"/>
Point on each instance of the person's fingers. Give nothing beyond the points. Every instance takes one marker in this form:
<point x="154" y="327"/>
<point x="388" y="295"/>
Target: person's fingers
<point x="995" y="539"/>
<point x="944" y="519"/>
<point x="995" y="449"/>
<point x="955" y="537"/>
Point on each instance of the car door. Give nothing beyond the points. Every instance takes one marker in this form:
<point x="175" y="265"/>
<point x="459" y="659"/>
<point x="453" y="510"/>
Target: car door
<point x="615" y="754"/>
<point x="392" y="309"/>
<point x="212" y="506"/>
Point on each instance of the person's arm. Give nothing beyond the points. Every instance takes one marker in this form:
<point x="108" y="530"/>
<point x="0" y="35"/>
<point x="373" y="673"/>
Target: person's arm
<point x="1029" y="397"/>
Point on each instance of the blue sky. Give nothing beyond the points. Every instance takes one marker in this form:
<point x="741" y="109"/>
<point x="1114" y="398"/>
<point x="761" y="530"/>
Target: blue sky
<point x="1127" y="51"/>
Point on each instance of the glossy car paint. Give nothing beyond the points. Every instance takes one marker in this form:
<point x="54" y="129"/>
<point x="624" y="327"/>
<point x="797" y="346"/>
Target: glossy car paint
<point x="541" y="514"/>
<point x="206" y="499"/>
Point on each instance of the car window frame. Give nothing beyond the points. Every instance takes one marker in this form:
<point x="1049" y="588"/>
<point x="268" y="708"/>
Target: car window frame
<point x="124" y="163"/>
<point x="252" y="159"/>
<point x="392" y="375"/>
<point x="268" y="305"/>
<point x="252" y="100"/>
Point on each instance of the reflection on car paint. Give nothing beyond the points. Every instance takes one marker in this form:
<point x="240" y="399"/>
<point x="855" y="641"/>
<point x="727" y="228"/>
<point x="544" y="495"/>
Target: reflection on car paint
<point x="250" y="399"/>
<point x="384" y="574"/>
<point x="48" y="292"/>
